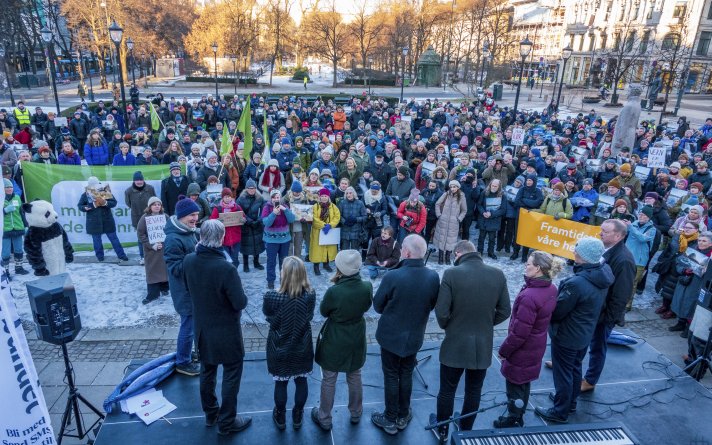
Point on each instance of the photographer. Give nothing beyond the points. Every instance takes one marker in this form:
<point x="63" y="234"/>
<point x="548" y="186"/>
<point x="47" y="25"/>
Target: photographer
<point x="412" y="215"/>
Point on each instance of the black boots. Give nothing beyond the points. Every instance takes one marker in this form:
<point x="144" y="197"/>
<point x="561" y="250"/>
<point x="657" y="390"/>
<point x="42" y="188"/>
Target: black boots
<point x="327" y="267"/>
<point x="316" y="269"/>
<point x="280" y="418"/>
<point x="508" y="422"/>
<point x="19" y="270"/>
<point x="257" y="264"/>
<point x="679" y="327"/>
<point x="514" y="256"/>
<point x="245" y="263"/>
<point x="297" y="416"/>
<point x="447" y="257"/>
<point x="441" y="256"/>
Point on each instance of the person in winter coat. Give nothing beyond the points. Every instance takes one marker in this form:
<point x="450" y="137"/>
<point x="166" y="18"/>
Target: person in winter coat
<point x="68" y="156"/>
<point x="252" y="243"/>
<point x="557" y="204"/>
<point x="583" y="201"/>
<point x="341" y="344"/>
<point x="272" y="179"/>
<point x="687" y="290"/>
<point x="353" y="218"/>
<point x="472" y="299"/>
<point x="430" y="196"/>
<point x="172" y="188"/>
<point x="641" y="236"/>
<point x="205" y="212"/>
<point x="212" y="168"/>
<point x="299" y="229"/>
<point x="376" y="209"/>
<point x="528" y="197"/>
<point x="96" y="152"/>
<point x="233" y="234"/>
<point x="326" y="217"/>
<point x="522" y="350"/>
<point x="124" y="158"/>
<point x="383" y="252"/>
<point x="290" y="354"/>
<point x="13" y="230"/>
<point x="450" y="210"/>
<point x="218" y="301"/>
<point x="181" y="238"/>
<point x="685" y="237"/>
<point x="472" y="189"/>
<point x="506" y="234"/>
<point x="97" y="205"/>
<point x="404" y="305"/>
<point x="155" y="264"/>
<point x="136" y="198"/>
<point x="276" y="219"/>
<point x="491" y="207"/>
<point x="578" y="305"/>
<point x="254" y="168"/>
<point x="412" y="215"/>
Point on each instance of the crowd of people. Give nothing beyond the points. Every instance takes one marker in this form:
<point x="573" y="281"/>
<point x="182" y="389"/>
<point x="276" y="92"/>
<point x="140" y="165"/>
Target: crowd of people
<point x="324" y="181"/>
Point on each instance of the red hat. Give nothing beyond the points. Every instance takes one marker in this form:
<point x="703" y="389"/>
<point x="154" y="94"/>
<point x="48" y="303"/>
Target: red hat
<point x="394" y="142"/>
<point x="305" y="124"/>
<point x="324" y="192"/>
<point x="225" y="192"/>
<point x="582" y="143"/>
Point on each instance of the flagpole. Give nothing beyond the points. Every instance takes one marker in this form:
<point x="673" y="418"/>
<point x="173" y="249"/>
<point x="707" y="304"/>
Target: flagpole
<point x="157" y="115"/>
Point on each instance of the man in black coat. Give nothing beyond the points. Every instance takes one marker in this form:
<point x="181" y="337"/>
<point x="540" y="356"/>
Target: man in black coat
<point x="619" y="258"/>
<point x="218" y="301"/>
<point x="573" y="322"/>
<point x="404" y="305"/>
<point x="172" y="187"/>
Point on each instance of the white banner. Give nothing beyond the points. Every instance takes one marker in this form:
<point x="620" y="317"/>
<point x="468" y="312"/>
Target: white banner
<point x="66" y="195"/>
<point x="24" y="419"/>
<point x="656" y="157"/>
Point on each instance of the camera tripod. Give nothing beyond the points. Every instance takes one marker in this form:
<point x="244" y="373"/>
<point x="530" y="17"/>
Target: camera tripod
<point x="701" y="364"/>
<point x="72" y="406"/>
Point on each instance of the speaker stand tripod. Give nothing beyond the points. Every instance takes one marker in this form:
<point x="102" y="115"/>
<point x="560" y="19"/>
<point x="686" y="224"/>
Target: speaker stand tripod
<point x="72" y="407"/>
<point x="701" y="364"/>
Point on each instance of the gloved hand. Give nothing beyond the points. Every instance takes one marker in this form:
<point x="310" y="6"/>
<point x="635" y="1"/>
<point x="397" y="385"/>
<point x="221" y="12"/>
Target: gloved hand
<point x="69" y="258"/>
<point x="9" y="209"/>
<point x="326" y="229"/>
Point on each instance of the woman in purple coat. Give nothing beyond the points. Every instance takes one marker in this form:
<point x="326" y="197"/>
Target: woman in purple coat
<point x="524" y="347"/>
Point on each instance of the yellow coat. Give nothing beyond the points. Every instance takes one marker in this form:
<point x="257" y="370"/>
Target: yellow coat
<point x="317" y="253"/>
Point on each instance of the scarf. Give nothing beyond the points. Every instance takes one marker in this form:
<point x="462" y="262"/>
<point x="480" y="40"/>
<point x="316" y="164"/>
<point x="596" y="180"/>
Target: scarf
<point x="271" y="179"/>
<point x="685" y="240"/>
<point x="324" y="215"/>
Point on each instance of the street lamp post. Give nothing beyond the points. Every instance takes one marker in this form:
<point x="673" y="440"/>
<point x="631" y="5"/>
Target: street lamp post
<point x="370" y="64"/>
<point x="46" y="34"/>
<point x="7" y="77"/>
<point x="405" y="53"/>
<point x="525" y="47"/>
<point x="130" y="46"/>
<point x="565" y="55"/>
<point x="233" y="59"/>
<point x="214" y="46"/>
<point x="244" y="65"/>
<point x="485" y="55"/>
<point x="86" y="68"/>
<point x="116" y="33"/>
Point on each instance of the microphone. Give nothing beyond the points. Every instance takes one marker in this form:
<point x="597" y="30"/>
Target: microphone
<point x="518" y="403"/>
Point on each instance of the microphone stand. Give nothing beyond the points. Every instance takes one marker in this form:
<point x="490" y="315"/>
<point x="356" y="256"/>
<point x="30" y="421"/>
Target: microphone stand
<point x="464" y="416"/>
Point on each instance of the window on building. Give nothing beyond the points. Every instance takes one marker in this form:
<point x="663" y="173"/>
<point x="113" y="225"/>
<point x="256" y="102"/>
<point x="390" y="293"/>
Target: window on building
<point x="630" y="41"/>
<point x="679" y="10"/>
<point x="617" y="41"/>
<point x="645" y="41"/>
<point x="670" y="42"/>
<point x="709" y="15"/>
<point x="636" y="10"/>
<point x="703" y="45"/>
<point x="604" y="40"/>
<point x="580" y="45"/>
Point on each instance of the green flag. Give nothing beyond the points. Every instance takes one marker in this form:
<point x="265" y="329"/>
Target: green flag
<point x="155" y="120"/>
<point x="245" y="126"/>
<point x="225" y="141"/>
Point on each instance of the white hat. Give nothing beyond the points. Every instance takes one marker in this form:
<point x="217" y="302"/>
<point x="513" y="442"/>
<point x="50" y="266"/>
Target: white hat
<point x="93" y="182"/>
<point x="273" y="162"/>
<point x="211" y="154"/>
<point x="348" y="262"/>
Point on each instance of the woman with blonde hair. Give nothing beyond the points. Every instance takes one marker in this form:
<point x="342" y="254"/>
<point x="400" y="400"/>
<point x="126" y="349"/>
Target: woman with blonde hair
<point x="290" y="354"/>
<point x="524" y="347"/>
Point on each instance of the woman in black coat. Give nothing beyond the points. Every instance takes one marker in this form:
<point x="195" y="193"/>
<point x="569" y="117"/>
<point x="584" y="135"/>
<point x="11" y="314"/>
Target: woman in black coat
<point x="290" y="354"/>
<point x="491" y="208"/>
<point x="97" y="203"/>
<point x="251" y="203"/>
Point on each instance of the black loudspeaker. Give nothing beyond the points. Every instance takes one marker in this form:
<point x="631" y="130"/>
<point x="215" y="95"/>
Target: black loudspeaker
<point x="54" y="308"/>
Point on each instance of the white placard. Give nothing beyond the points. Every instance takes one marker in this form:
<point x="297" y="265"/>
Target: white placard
<point x="656" y="157"/>
<point x="154" y="228"/>
<point x="60" y="121"/>
<point x="518" y="136"/>
<point x="331" y="238"/>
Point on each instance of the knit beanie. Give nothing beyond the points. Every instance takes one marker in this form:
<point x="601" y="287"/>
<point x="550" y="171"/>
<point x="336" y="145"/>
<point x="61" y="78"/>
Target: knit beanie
<point x="455" y="183"/>
<point x="185" y="207"/>
<point x="174" y="166"/>
<point x="625" y="168"/>
<point x="154" y="199"/>
<point x="560" y="187"/>
<point x="7" y="183"/>
<point x="225" y="192"/>
<point x="620" y="202"/>
<point x="653" y="195"/>
<point x="589" y="249"/>
<point x="193" y="189"/>
<point x="296" y="187"/>
<point x="348" y="262"/>
<point x="414" y="194"/>
<point x="138" y="176"/>
<point x="614" y="183"/>
<point x="647" y="211"/>
<point x="251" y="184"/>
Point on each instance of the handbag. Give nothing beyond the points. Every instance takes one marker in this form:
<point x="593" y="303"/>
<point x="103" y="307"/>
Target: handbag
<point x="319" y="341"/>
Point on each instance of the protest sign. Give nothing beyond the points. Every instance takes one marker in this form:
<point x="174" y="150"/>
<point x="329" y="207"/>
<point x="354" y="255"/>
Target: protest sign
<point x="656" y="156"/>
<point x="303" y="212"/>
<point x="154" y="228"/>
<point x="558" y="237"/>
<point x="232" y="219"/>
<point x="518" y="136"/>
<point x="60" y="122"/>
<point x="604" y="207"/>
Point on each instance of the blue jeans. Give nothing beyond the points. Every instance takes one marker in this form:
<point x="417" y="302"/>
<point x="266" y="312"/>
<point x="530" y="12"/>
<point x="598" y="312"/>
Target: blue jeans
<point x="11" y="245"/>
<point x="597" y="352"/>
<point x="373" y="271"/>
<point x="140" y="248"/>
<point x="184" y="346"/>
<point x="567" y="377"/>
<point x="273" y="251"/>
<point x="234" y="253"/>
<point x="115" y="243"/>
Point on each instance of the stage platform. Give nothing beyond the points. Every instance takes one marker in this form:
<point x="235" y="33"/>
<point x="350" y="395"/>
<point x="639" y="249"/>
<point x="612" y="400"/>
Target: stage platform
<point x="658" y="403"/>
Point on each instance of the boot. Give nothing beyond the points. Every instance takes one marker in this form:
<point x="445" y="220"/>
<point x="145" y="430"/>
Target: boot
<point x="514" y="256"/>
<point x="685" y="332"/>
<point x="6" y="267"/>
<point x="297" y="416"/>
<point x="280" y="418"/>
<point x="447" y="257"/>
<point x="441" y="256"/>
<point x="257" y="264"/>
<point x="245" y="263"/>
<point x="316" y="269"/>
<point x="19" y="270"/>
<point x="508" y="422"/>
<point x="327" y="267"/>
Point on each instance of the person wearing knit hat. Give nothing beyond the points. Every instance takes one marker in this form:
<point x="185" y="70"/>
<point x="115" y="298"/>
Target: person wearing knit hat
<point x="614" y="183"/>
<point x="625" y="168"/>
<point x="696" y="185"/>
<point x="296" y="187"/>
<point x="155" y="264"/>
<point x="137" y="199"/>
<point x="174" y="166"/>
<point x="560" y="187"/>
<point x="375" y="185"/>
<point x="14" y="231"/>
<point x="454" y="183"/>
<point x="251" y="242"/>
<point x="651" y="195"/>
<point x="675" y="165"/>
<point x="450" y="210"/>
<point x="185" y="209"/>
<point x="276" y="219"/>
<point x="353" y="217"/>
<point x="137" y="176"/>
<point x="348" y="262"/>
<point x="622" y="211"/>
<point x="97" y="203"/>
<point x="326" y="215"/>
<point x="589" y="250"/>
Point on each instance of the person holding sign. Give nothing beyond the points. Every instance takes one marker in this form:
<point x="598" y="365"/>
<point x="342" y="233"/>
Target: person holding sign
<point x="276" y="236"/>
<point x="326" y="218"/>
<point x="151" y="236"/>
<point x="233" y="233"/>
<point x="97" y="203"/>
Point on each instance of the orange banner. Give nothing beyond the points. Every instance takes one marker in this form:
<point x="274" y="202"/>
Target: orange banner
<point x="543" y="232"/>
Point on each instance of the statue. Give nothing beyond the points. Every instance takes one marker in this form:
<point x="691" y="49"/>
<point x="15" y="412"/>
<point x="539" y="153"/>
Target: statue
<point x="654" y="89"/>
<point x="628" y="119"/>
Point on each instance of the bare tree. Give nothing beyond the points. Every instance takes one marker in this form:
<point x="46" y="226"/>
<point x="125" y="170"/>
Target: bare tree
<point x="326" y="36"/>
<point x="674" y="55"/>
<point x="363" y="28"/>
<point x="628" y="49"/>
<point x="280" y="30"/>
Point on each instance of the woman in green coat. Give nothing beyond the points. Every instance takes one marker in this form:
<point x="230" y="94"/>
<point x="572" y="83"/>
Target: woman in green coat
<point x="341" y="346"/>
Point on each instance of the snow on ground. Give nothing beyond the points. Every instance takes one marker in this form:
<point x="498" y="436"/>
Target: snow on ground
<point x="110" y="296"/>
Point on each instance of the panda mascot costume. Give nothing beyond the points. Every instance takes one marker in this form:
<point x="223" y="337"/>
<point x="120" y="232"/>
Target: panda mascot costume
<point x="46" y="244"/>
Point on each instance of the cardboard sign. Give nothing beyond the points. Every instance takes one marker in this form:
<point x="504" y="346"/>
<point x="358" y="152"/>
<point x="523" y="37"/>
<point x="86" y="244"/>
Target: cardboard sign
<point x="604" y="206"/>
<point x="518" y="136"/>
<point x="642" y="172"/>
<point x="60" y="122"/>
<point x="656" y="157"/>
<point x="303" y="211"/>
<point x="232" y="219"/>
<point x="154" y="228"/>
<point x="593" y="165"/>
<point x="543" y="232"/>
<point x="331" y="238"/>
<point x="674" y="196"/>
<point x="403" y="127"/>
